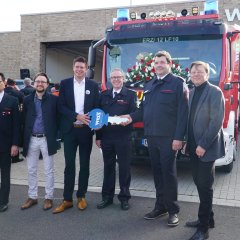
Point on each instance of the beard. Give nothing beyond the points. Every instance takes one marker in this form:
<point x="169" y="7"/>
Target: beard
<point x="40" y="90"/>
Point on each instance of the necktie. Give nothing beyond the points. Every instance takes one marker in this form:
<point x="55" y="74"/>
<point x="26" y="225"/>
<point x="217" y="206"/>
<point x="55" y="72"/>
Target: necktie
<point x="160" y="80"/>
<point x="115" y="94"/>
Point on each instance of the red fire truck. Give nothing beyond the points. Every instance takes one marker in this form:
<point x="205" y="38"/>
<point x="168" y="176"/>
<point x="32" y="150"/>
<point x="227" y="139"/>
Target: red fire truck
<point x="130" y="45"/>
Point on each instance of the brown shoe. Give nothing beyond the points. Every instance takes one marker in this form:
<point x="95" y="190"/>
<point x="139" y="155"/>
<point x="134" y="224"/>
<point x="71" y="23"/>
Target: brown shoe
<point x="64" y="205"/>
<point x="29" y="203"/>
<point x="82" y="203"/>
<point x="48" y="203"/>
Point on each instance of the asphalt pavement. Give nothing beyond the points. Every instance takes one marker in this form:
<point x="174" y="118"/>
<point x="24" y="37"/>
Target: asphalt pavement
<point x="109" y="223"/>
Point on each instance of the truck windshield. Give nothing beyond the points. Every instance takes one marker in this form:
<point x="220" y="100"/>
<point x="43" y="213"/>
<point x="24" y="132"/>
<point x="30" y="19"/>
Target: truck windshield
<point x="126" y="53"/>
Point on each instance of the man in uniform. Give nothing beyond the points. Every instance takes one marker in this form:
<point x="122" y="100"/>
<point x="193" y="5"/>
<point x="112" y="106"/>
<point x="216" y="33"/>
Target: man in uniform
<point x="164" y="111"/>
<point x="9" y="140"/>
<point x="11" y="89"/>
<point x="115" y="140"/>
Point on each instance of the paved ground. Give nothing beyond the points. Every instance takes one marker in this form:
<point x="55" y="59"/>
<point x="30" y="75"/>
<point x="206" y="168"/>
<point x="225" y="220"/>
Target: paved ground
<point x="226" y="187"/>
<point x="106" y="224"/>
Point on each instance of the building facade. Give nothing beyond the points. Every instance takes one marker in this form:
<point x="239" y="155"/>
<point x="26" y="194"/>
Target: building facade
<point x="48" y="42"/>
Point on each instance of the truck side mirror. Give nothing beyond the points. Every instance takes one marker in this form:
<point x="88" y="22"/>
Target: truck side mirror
<point x="90" y="73"/>
<point x="91" y="57"/>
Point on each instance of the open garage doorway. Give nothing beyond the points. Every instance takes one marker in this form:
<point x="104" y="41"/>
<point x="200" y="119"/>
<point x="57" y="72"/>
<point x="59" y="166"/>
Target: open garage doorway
<point x="60" y="55"/>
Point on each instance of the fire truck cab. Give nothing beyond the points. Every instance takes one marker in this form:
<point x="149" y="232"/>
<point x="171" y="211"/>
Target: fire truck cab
<point x="130" y="45"/>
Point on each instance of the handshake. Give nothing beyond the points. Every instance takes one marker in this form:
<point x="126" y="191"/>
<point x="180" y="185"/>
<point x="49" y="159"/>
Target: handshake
<point x="98" y="118"/>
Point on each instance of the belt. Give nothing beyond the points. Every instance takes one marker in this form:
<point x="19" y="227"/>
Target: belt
<point x="77" y="125"/>
<point x="38" y="135"/>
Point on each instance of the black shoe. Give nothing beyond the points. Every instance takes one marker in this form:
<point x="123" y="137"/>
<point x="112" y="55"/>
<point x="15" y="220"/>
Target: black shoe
<point x="199" y="235"/>
<point x="196" y="224"/>
<point x="17" y="160"/>
<point x="104" y="203"/>
<point x="124" y="205"/>
<point x="155" y="214"/>
<point x="3" y="208"/>
<point x="173" y="220"/>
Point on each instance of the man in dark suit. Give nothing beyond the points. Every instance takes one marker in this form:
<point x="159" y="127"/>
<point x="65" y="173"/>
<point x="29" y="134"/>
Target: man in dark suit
<point x="164" y="111"/>
<point x="205" y="142"/>
<point x="40" y="117"/>
<point x="115" y="140"/>
<point x="9" y="140"/>
<point x="78" y="96"/>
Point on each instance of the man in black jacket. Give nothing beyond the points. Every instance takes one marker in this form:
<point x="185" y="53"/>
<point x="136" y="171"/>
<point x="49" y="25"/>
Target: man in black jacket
<point x="9" y="140"/>
<point x="40" y="133"/>
<point x="11" y="90"/>
<point x="28" y="89"/>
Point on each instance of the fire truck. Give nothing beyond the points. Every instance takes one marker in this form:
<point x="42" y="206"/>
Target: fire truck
<point x="130" y="44"/>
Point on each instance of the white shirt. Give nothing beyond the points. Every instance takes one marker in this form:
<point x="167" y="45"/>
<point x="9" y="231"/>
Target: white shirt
<point x="1" y="95"/>
<point x="162" y="76"/>
<point x="116" y="91"/>
<point x="79" y="96"/>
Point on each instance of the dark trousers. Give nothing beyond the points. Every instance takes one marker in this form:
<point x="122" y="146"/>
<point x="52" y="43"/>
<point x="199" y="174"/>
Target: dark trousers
<point x="77" y="138"/>
<point x="163" y="161"/>
<point x="5" y="166"/>
<point x="120" y="147"/>
<point x="203" y="176"/>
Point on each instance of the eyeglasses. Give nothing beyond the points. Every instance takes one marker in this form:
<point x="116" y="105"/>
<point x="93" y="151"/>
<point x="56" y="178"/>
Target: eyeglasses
<point x="40" y="82"/>
<point x="116" y="77"/>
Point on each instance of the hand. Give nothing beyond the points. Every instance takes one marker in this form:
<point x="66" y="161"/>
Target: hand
<point x="177" y="145"/>
<point x="14" y="150"/>
<point x="16" y="88"/>
<point x="98" y="143"/>
<point x="129" y="120"/>
<point x="115" y="123"/>
<point x="84" y="118"/>
<point x="200" y="151"/>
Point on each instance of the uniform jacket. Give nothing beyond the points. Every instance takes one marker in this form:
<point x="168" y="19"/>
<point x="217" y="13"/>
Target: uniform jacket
<point x="207" y="123"/>
<point x="164" y="108"/>
<point x="9" y="123"/>
<point x="67" y="103"/>
<point x="50" y="120"/>
<point x="123" y="103"/>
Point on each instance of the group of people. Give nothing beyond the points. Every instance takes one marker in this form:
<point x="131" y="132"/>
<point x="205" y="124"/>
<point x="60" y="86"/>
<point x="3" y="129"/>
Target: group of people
<point x="170" y="116"/>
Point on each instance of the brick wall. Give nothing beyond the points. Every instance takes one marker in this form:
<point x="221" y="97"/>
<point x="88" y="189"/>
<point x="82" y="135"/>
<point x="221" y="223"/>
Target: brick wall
<point x="10" y="54"/>
<point x="24" y="50"/>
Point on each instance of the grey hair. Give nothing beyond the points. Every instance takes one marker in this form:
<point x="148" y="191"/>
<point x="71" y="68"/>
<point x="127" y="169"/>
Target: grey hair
<point x="27" y="81"/>
<point x="119" y="70"/>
